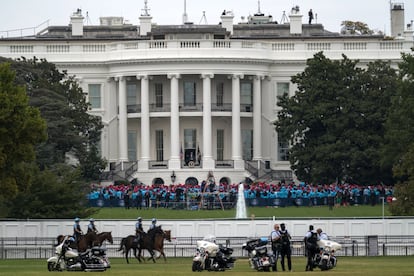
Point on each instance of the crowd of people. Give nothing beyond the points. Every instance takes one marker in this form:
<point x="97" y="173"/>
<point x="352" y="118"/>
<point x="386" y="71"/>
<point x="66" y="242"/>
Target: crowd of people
<point x="255" y="194"/>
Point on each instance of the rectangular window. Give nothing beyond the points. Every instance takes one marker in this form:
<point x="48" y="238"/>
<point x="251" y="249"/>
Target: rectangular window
<point x="189" y="93"/>
<point x="132" y="145"/>
<point x="220" y="144"/>
<point x="158" y="95"/>
<point x="220" y="94"/>
<point x="94" y="93"/>
<point x="246" y="93"/>
<point x="132" y="97"/>
<point x="159" y="144"/>
<point x="247" y="143"/>
<point x="282" y="89"/>
<point x="283" y="150"/>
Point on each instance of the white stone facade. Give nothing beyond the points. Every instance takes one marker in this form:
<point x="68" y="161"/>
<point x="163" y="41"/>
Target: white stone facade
<point x="191" y="97"/>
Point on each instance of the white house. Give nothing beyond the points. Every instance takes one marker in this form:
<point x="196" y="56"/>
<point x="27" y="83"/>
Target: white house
<point x="181" y="102"/>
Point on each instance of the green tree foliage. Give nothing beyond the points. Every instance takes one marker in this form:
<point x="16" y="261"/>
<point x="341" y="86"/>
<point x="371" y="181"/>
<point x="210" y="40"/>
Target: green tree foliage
<point x="399" y="146"/>
<point x="57" y="193"/>
<point x="335" y="120"/>
<point x="355" y="27"/>
<point x="71" y="130"/>
<point x="21" y="128"/>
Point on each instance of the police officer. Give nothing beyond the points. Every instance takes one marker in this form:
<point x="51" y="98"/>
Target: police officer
<point x="153" y="223"/>
<point x="276" y="244"/>
<point x="311" y="247"/>
<point x="77" y="231"/>
<point x="285" y="249"/>
<point x="91" y="226"/>
<point x="138" y="226"/>
<point x="322" y="235"/>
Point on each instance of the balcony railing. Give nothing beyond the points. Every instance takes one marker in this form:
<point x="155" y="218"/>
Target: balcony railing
<point x="166" y="107"/>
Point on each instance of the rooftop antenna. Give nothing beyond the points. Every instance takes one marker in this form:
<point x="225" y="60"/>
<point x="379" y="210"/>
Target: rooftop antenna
<point x="284" y="18"/>
<point x="145" y="10"/>
<point x="258" y="7"/>
<point x="203" y="18"/>
<point x="185" y="16"/>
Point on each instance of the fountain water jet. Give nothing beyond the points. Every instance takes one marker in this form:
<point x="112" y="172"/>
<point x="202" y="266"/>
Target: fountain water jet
<point x="241" y="203"/>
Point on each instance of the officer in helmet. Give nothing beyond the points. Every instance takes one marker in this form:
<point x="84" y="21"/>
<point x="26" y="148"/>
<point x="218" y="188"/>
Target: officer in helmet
<point x="138" y="226"/>
<point x="153" y="224"/>
<point x="92" y="226"/>
<point x="77" y="231"/>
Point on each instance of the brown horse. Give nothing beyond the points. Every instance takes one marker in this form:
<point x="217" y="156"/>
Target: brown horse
<point x="153" y="240"/>
<point x="84" y="242"/>
<point x="104" y="236"/>
<point x="158" y="245"/>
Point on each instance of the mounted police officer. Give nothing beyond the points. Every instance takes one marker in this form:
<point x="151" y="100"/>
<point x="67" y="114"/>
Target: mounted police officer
<point x="311" y="247"/>
<point x="153" y="223"/>
<point x="92" y="226"/>
<point x="138" y="226"/>
<point x="77" y="231"/>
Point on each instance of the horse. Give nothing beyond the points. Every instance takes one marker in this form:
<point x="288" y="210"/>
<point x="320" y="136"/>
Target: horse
<point x="84" y="242"/>
<point x="104" y="236"/>
<point x="153" y="240"/>
<point x="128" y="243"/>
<point x="158" y="245"/>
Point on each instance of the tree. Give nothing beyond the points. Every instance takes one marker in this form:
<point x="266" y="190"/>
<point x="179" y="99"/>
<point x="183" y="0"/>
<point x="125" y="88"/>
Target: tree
<point x="61" y="101"/>
<point x="355" y="27"/>
<point x="398" y="149"/>
<point x="57" y="193"/>
<point x="21" y="129"/>
<point x="334" y="120"/>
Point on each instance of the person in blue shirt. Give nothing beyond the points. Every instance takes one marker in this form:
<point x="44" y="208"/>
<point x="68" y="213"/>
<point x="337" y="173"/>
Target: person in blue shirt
<point x="77" y="231"/>
<point x="91" y="226"/>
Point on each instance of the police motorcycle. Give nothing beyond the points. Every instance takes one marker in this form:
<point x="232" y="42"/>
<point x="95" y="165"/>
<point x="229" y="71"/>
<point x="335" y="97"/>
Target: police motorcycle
<point x="70" y="260"/>
<point x="326" y="259"/>
<point x="211" y="256"/>
<point x="259" y="257"/>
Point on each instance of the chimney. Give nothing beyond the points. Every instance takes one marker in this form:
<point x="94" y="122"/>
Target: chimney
<point x="408" y="34"/>
<point x="397" y="19"/>
<point x="227" y="21"/>
<point x="145" y="20"/>
<point x="76" y="20"/>
<point x="295" y="21"/>
<point x="145" y="24"/>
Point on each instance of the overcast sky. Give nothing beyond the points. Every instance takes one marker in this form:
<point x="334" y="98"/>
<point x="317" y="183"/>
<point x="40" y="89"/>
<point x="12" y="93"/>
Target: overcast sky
<point x="17" y="14"/>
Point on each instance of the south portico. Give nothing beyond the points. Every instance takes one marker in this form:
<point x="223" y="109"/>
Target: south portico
<point x="218" y="105"/>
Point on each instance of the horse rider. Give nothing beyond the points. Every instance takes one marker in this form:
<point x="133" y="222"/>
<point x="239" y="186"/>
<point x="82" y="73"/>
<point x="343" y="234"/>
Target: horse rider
<point x="153" y="224"/>
<point x="311" y="246"/>
<point x="92" y="226"/>
<point x="138" y="226"/>
<point x="77" y="231"/>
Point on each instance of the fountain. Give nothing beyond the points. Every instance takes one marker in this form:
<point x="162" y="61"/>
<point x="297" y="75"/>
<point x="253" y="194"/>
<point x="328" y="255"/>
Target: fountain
<point x="241" y="204"/>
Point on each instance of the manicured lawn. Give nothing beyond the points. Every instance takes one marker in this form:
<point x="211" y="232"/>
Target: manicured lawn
<point x="257" y="212"/>
<point x="367" y="266"/>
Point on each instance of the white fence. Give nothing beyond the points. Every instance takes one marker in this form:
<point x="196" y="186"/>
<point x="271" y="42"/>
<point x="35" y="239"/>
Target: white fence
<point x="220" y="228"/>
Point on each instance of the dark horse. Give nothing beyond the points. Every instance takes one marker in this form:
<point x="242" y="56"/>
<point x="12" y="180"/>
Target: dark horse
<point x="104" y="236"/>
<point x="84" y="242"/>
<point x="151" y="241"/>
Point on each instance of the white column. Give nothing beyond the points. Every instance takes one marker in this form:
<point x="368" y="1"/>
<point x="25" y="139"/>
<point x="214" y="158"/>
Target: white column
<point x="174" y="162"/>
<point x="257" y="114"/>
<point x="235" y="119"/>
<point x="145" y="123"/>
<point x="208" y="162"/>
<point x="122" y="121"/>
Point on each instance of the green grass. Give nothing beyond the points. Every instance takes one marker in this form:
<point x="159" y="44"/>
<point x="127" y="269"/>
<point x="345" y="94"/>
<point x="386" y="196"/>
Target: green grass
<point x="257" y="212"/>
<point x="366" y="266"/>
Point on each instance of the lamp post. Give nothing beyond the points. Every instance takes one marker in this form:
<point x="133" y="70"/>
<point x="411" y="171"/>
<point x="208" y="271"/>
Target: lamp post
<point x="173" y="177"/>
